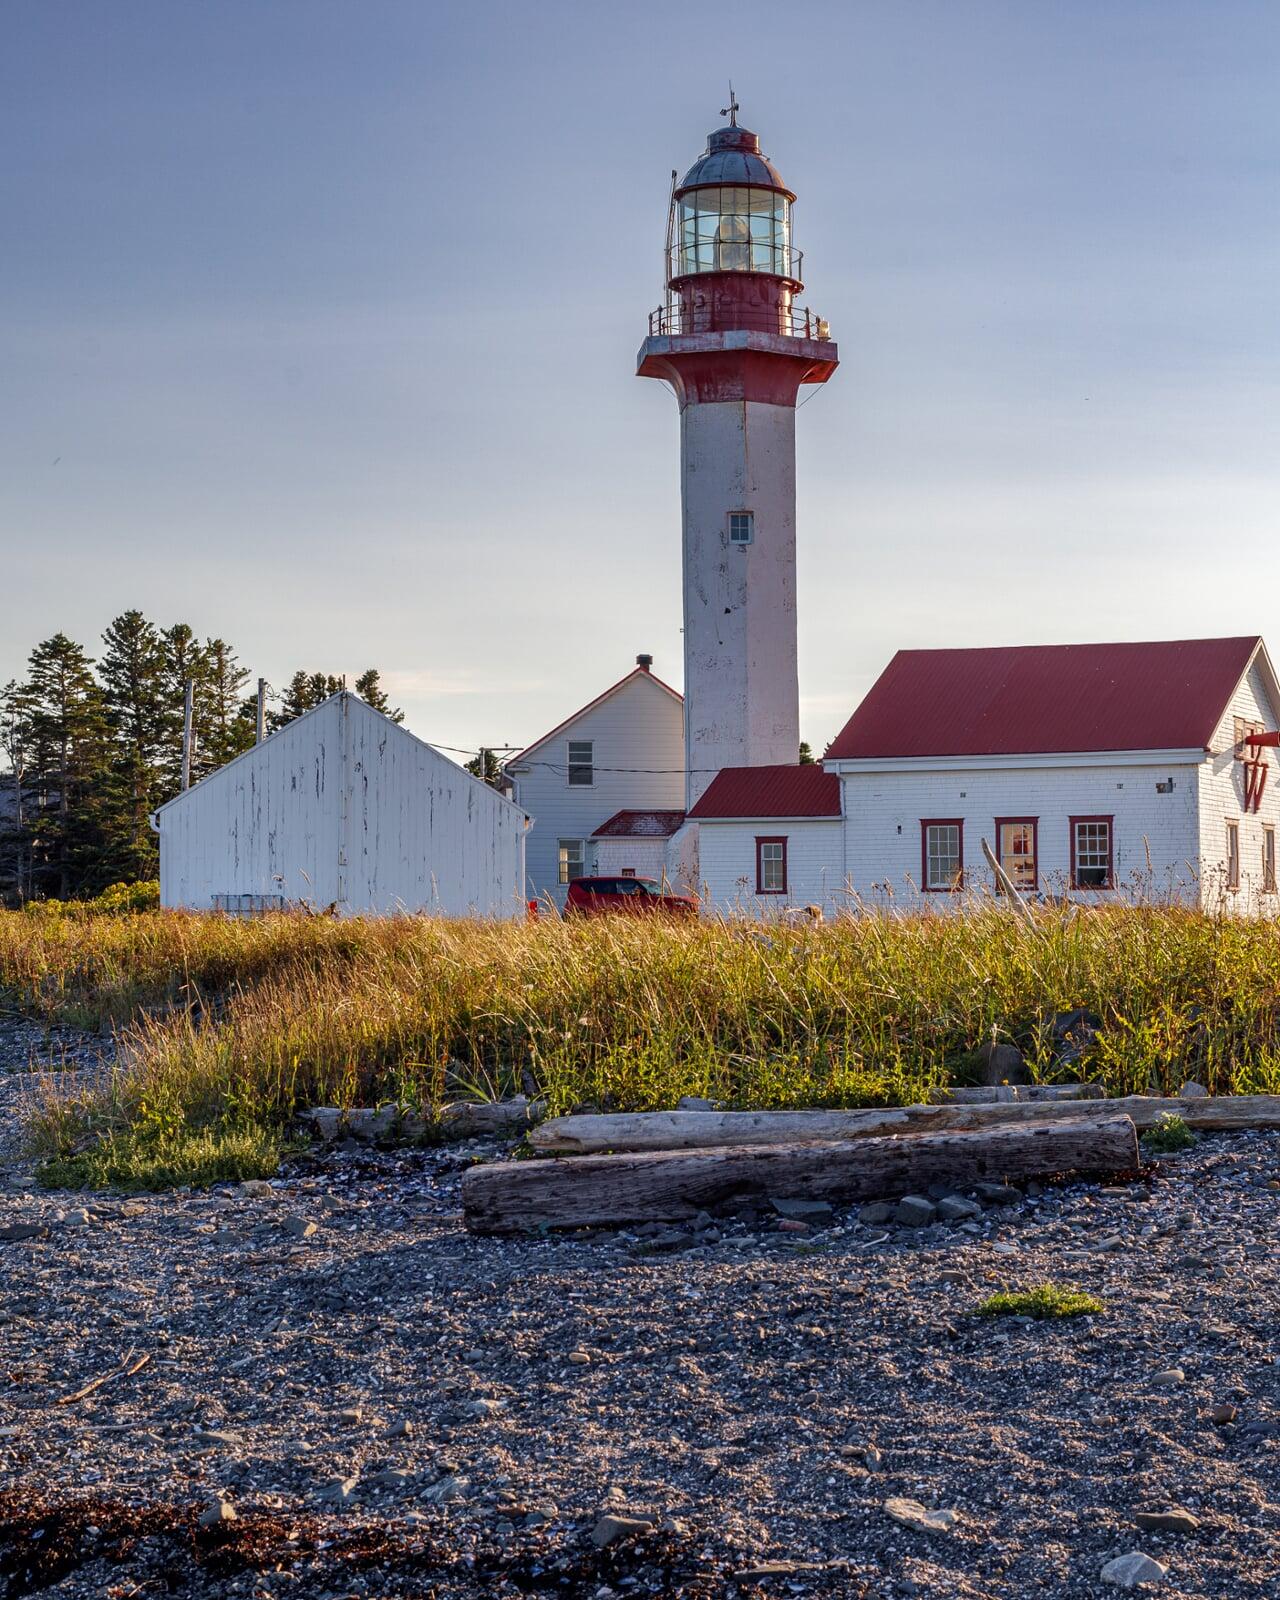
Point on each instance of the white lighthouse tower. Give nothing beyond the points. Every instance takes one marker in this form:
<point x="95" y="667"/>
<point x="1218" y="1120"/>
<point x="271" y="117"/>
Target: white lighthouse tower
<point x="735" y="347"/>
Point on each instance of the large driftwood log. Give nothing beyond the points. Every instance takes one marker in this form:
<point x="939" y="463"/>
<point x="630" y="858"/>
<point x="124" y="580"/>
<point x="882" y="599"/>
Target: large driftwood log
<point x="701" y="1130"/>
<point x="670" y="1185"/>
<point x="1002" y="1093"/>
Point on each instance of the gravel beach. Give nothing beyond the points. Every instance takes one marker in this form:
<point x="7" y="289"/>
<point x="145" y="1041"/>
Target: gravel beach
<point x="325" y="1387"/>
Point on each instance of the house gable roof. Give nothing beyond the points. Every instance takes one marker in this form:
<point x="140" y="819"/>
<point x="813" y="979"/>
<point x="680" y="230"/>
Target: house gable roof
<point x="1043" y="699"/>
<point x="742" y="793"/>
<point x="636" y="672"/>
<point x="640" y="825"/>
<point x="326" y="710"/>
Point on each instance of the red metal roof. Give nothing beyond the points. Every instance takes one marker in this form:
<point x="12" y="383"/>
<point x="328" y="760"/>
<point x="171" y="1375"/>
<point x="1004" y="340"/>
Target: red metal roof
<point x="640" y="825"/>
<point x="1031" y="699"/>
<point x="636" y="672"/>
<point x="805" y="791"/>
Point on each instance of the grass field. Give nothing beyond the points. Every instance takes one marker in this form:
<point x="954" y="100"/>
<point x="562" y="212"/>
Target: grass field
<point x="227" y="1028"/>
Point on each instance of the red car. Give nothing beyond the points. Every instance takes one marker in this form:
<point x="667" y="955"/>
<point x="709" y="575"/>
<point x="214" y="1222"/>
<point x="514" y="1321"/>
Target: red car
<point x="596" y="897"/>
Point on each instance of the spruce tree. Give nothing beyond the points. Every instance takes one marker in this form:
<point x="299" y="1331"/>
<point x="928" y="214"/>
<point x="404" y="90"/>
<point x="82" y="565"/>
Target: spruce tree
<point x="133" y="676"/>
<point x="67" y="740"/>
<point x="369" y="688"/>
<point x="223" y="730"/>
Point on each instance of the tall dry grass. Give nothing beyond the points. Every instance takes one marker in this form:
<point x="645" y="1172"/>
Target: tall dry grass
<point x="236" y="1025"/>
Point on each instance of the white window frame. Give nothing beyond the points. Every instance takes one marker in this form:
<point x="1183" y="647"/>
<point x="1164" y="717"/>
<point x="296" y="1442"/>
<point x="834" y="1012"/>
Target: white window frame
<point x="572" y="765"/>
<point x="565" y="849"/>
<point x="748" y="520"/>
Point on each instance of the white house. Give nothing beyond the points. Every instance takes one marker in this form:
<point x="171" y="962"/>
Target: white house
<point x="605" y="788"/>
<point x="770" y="838"/>
<point x="1092" y="771"/>
<point x="343" y="808"/>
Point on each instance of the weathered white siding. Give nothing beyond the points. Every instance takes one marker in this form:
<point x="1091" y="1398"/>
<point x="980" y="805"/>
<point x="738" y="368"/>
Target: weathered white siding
<point x="727" y="860"/>
<point x="1222" y="801"/>
<point x="638" y="736"/>
<point x="740" y="673"/>
<point x="642" y="857"/>
<point x="1155" y="835"/>
<point x="343" y="807"/>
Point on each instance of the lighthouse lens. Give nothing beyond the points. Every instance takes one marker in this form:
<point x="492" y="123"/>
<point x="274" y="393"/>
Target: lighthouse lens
<point x="735" y="229"/>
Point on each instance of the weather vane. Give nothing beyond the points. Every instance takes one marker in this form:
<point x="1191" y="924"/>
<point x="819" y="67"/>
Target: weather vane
<point x="731" y="110"/>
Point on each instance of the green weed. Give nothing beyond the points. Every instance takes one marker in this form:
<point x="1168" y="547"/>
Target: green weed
<point x="1170" y="1133"/>
<point x="1045" y="1302"/>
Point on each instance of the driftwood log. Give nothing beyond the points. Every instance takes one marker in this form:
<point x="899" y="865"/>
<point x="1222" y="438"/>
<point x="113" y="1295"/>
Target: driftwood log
<point x="671" y="1185"/>
<point x="1000" y="1093"/>
<point x="465" y="1119"/>
<point x="701" y="1130"/>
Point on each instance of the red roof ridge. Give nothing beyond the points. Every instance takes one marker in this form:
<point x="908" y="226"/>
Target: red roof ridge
<point x="618" y="825"/>
<point x="993" y="700"/>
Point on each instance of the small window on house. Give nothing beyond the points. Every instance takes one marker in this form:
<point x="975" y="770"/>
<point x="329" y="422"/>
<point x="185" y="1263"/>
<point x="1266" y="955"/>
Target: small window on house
<point x="570" y="860"/>
<point x="771" y="866"/>
<point x="248" y="905"/>
<point x="742" y="527"/>
<point x="582" y="772"/>
<point x="628" y="872"/>
<point x="1017" y="852"/>
<point x="942" y="848"/>
<point x="1268" y="860"/>
<point x="1233" y="855"/>
<point x="1091" y="852"/>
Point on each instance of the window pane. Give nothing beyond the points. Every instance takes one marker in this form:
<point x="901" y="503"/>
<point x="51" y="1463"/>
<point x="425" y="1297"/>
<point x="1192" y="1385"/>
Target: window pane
<point x="942" y="855"/>
<point x="1018" y="854"/>
<point x="581" y="770"/>
<point x="1093" y="855"/>
<point x="570" y="860"/>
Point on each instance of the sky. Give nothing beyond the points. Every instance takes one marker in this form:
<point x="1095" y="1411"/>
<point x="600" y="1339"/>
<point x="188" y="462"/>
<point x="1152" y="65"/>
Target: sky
<point x="318" y="323"/>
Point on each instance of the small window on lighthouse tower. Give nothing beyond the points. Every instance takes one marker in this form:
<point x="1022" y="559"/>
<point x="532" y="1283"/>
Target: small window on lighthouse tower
<point x="742" y="527"/>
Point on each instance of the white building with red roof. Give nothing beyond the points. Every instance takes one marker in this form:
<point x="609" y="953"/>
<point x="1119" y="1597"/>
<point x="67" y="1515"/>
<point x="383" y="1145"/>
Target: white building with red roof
<point x="1093" y="772"/>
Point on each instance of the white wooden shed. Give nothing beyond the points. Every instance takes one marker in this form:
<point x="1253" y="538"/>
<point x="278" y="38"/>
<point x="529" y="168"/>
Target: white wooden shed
<point x="343" y="808"/>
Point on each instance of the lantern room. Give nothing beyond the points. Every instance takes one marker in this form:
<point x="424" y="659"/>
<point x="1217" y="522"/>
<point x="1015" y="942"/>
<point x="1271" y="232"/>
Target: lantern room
<point x="731" y="264"/>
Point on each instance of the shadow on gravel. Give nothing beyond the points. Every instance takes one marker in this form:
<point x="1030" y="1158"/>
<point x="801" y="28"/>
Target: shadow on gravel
<point x="163" y="1546"/>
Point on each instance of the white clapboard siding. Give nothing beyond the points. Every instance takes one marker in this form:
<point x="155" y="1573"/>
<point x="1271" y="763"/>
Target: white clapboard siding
<point x="637" y="730"/>
<point x="342" y="807"/>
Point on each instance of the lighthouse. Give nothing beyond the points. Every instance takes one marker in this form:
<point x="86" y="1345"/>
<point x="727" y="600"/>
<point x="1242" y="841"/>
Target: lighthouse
<point x="736" y="347"/>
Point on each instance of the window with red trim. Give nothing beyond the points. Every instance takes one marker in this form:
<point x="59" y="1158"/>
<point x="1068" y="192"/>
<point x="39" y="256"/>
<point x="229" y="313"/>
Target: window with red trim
<point x="1092" y="852"/>
<point x="771" y="866"/>
<point x="942" y="854"/>
<point x="1017" y="850"/>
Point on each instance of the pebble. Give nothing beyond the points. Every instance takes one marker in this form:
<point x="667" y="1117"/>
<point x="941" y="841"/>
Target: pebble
<point x="216" y="1512"/>
<point x="914" y="1211"/>
<point x="613" y="1527"/>
<point x="400" y="1430"/>
<point x="1128" y="1571"/>
<point x="1170" y="1377"/>
<point x="339" y="1490"/>
<point x="953" y="1208"/>
<point x="1223" y="1414"/>
<point x="1174" y="1520"/>
<point x="878" y="1212"/>
<point x="257" y="1189"/>
<point x="911" y="1514"/>
<point x="299" y="1227"/>
<point x="578" y="1358"/>
<point x="1191" y="1090"/>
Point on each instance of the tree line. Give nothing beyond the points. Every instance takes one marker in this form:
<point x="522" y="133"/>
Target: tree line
<point x="93" y="745"/>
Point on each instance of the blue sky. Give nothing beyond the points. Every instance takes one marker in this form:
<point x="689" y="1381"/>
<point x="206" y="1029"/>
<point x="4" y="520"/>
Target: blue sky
<point x="318" y="323"/>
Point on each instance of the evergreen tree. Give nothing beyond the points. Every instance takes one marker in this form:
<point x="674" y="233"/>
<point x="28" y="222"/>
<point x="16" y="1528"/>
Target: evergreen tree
<point x="369" y="688"/>
<point x="68" y="750"/>
<point x="222" y="728"/>
<point x="806" y="754"/>
<point x="134" y="685"/>
<point x="14" y="844"/>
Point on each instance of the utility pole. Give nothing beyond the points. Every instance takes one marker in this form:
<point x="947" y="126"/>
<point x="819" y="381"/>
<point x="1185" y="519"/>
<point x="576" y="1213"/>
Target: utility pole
<point x="187" y="708"/>
<point x="262" y="711"/>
